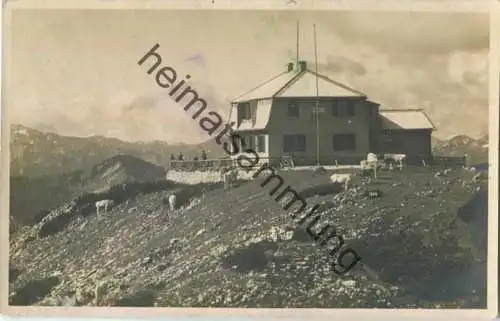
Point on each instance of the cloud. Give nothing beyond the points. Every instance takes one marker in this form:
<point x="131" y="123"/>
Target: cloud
<point x="415" y="32"/>
<point x="452" y="88"/>
<point x="141" y="103"/>
<point x="340" y="64"/>
<point x="86" y="80"/>
<point x="470" y="67"/>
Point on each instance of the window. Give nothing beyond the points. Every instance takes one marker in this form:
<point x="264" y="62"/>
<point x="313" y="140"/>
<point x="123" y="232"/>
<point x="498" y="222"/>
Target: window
<point x="252" y="142"/>
<point x="344" y="142"/>
<point x="343" y="108"/>
<point x="261" y="144"/>
<point x="244" y="111"/>
<point x="243" y="143"/>
<point x="249" y="142"/>
<point x="294" y="143"/>
<point x="293" y="110"/>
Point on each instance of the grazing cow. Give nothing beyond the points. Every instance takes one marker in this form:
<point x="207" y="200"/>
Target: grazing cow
<point x="172" y="199"/>
<point x="103" y="204"/>
<point x="372" y="163"/>
<point x="371" y="158"/>
<point x="470" y="169"/>
<point x="479" y="176"/>
<point x="399" y="159"/>
<point x="366" y="169"/>
<point x="341" y="179"/>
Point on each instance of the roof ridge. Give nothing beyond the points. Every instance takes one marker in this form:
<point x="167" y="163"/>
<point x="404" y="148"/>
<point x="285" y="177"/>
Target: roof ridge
<point x="336" y="82"/>
<point x="258" y="86"/>
<point x="402" y="109"/>
<point x="429" y="119"/>
<point x="289" y="83"/>
<point x="388" y="114"/>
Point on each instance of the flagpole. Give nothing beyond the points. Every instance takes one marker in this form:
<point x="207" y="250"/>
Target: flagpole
<point x="298" y="27"/>
<point x="317" y="96"/>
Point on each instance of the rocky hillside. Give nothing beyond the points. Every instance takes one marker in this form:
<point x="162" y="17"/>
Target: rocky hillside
<point x="477" y="149"/>
<point x="422" y="243"/>
<point x="32" y="197"/>
<point x="35" y="153"/>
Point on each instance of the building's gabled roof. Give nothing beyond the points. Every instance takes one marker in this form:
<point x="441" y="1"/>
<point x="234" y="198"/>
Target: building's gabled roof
<point x="268" y="88"/>
<point x="299" y="83"/>
<point x="404" y="119"/>
<point x="304" y="85"/>
<point x="261" y="118"/>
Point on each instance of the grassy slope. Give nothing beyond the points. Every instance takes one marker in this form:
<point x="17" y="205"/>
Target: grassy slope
<point x="416" y="254"/>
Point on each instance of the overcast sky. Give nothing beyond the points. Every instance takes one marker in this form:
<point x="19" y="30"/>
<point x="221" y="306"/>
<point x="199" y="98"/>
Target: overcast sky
<point x="75" y="72"/>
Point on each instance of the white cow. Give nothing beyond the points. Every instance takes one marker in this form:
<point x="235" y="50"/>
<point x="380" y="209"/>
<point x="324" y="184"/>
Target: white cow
<point x="228" y="176"/>
<point x="372" y="163"/>
<point x="341" y="179"/>
<point x="479" y="176"/>
<point x="371" y="158"/>
<point x="107" y="203"/>
<point x="172" y="200"/>
<point x="398" y="158"/>
<point x="365" y="166"/>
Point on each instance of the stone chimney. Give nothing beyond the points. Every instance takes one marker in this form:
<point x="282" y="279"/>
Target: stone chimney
<point x="301" y="65"/>
<point x="298" y="66"/>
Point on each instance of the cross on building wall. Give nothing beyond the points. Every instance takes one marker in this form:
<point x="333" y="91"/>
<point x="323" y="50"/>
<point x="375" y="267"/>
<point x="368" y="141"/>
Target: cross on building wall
<point x="317" y="110"/>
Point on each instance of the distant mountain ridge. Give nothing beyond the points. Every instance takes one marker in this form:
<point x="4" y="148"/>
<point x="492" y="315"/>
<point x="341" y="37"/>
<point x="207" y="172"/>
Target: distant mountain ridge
<point x="36" y="153"/>
<point x="118" y="170"/>
<point x="27" y="201"/>
<point x="476" y="149"/>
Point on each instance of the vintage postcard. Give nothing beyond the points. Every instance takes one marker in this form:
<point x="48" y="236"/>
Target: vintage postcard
<point x="243" y="158"/>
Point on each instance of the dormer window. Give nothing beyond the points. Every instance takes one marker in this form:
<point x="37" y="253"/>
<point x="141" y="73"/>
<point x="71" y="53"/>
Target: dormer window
<point x="293" y="110"/>
<point x="244" y="111"/>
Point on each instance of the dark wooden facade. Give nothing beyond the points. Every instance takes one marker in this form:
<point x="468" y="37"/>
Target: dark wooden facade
<point x="415" y="143"/>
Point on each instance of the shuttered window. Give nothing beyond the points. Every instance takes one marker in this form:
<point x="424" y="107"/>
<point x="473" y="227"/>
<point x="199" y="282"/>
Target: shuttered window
<point x="344" y="142"/>
<point x="244" y="111"/>
<point x="343" y="108"/>
<point x="261" y="144"/>
<point x="294" y="143"/>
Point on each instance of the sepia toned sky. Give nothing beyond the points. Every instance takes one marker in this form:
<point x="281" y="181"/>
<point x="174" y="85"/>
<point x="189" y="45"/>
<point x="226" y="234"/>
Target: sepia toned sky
<point x="75" y="72"/>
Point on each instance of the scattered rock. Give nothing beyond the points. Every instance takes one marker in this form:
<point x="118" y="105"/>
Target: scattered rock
<point x="256" y="248"/>
<point x="34" y="291"/>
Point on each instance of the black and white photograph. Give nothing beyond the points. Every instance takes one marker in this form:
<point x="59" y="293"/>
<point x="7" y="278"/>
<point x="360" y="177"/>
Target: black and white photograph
<point x="327" y="159"/>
